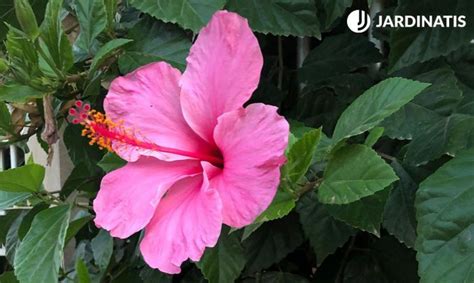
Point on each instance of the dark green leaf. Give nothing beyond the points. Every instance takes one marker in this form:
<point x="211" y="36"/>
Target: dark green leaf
<point x="75" y="226"/>
<point x="365" y="214"/>
<point x="150" y="275"/>
<point x="324" y="232"/>
<point x="225" y="261"/>
<point x="28" y="178"/>
<point x="39" y="255"/>
<point x="279" y="17"/>
<point x="374" y="136"/>
<point x="7" y="14"/>
<point x="445" y="216"/>
<point x="332" y="10"/>
<point x="354" y="172"/>
<point x="102" y="248"/>
<point x="278" y="277"/>
<point x="78" y="147"/>
<point x="187" y="13"/>
<point x="377" y="103"/>
<point x="338" y="54"/>
<point x="282" y="204"/>
<point x="5" y="222"/>
<point x="399" y="215"/>
<point x="412" y="45"/>
<point x="164" y="42"/>
<point x="8" y="277"/>
<point x="110" y="162"/>
<point x="272" y="242"/>
<point x="5" y="119"/>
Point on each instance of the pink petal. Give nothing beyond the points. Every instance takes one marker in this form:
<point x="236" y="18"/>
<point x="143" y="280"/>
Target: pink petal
<point x="223" y="70"/>
<point x="147" y="101"/>
<point x="252" y="141"/>
<point x="128" y="196"/>
<point x="187" y="221"/>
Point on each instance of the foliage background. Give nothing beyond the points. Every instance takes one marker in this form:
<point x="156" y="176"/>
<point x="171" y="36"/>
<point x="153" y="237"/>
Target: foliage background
<point x="379" y="181"/>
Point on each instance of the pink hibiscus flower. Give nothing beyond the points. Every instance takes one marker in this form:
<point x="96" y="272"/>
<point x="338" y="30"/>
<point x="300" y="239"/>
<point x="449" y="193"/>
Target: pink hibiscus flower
<point x="196" y="157"/>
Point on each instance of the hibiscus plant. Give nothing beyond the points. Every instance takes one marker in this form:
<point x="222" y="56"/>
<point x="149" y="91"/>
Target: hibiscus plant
<point x="235" y="141"/>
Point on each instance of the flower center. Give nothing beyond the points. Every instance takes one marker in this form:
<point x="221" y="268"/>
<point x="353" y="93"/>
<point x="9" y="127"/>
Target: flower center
<point x="104" y="132"/>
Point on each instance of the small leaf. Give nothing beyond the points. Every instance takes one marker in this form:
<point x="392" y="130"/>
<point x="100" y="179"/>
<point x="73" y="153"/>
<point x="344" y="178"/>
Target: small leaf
<point x="279" y="17"/>
<point x="105" y="52"/>
<point x="354" y="172"/>
<point x="82" y="274"/>
<point x="28" y="219"/>
<point x="39" y="255"/>
<point x="187" y="13"/>
<point x="102" y="249"/>
<point x="374" y="105"/>
<point x="445" y="216"/>
<point x="75" y="226"/>
<point x="28" y="178"/>
<point x="374" y="136"/>
<point x="282" y="204"/>
<point x="225" y="261"/>
<point x="300" y="155"/>
<point x="110" y="162"/>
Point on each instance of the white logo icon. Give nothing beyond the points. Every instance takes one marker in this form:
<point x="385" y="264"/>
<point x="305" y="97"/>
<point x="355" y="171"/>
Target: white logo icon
<point x="358" y="21"/>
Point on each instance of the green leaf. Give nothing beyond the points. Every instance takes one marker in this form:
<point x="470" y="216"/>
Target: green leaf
<point x="19" y="93"/>
<point x="412" y="45"/>
<point x="8" y="277"/>
<point x="105" y="52"/>
<point x="102" y="249"/>
<point x="374" y="105"/>
<point x="7" y="13"/>
<point x="8" y="199"/>
<point x="278" y="277"/>
<point x="300" y="156"/>
<point x="338" y="54"/>
<point x="111" y="10"/>
<point x="6" y="222"/>
<point x="445" y="216"/>
<point x="282" y="204"/>
<point x="354" y="172"/>
<point x="84" y="177"/>
<point x="28" y="178"/>
<point x="5" y="119"/>
<point x="225" y="261"/>
<point x="28" y="219"/>
<point x="189" y="14"/>
<point x="437" y="100"/>
<point x="365" y="214"/>
<point x="332" y="10"/>
<point x="150" y="275"/>
<point x="78" y="147"/>
<point x="82" y="274"/>
<point x="324" y="232"/>
<point x="272" y="242"/>
<point x="39" y="255"/>
<point x="399" y="215"/>
<point x="111" y="162"/>
<point x="279" y="17"/>
<point x="164" y="42"/>
<point x="374" y="136"/>
<point x="55" y="43"/>
<point x="449" y="135"/>
<point x="75" y="226"/>
<point x="92" y="19"/>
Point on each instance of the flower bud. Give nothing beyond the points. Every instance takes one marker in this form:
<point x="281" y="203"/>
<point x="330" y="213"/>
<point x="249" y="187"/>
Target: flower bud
<point x="3" y="66"/>
<point x="26" y="18"/>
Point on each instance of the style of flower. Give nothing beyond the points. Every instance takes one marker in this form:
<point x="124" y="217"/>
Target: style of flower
<point x="197" y="158"/>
